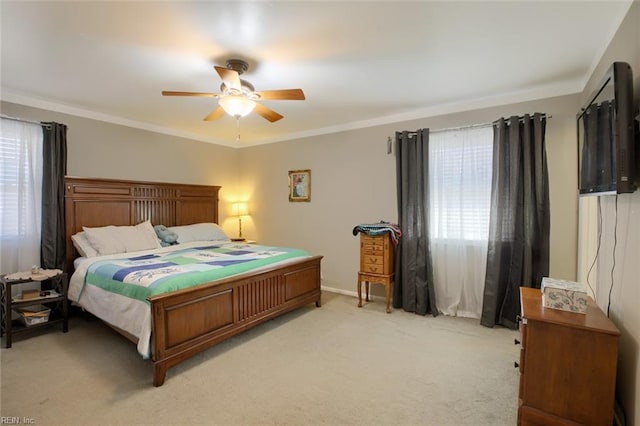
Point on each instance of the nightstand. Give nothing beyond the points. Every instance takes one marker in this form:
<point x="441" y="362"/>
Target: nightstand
<point x="56" y="300"/>
<point x="243" y="240"/>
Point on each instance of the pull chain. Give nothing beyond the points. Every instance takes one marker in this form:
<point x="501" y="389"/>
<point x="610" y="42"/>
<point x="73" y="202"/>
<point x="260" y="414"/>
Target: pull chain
<point x="238" y="128"/>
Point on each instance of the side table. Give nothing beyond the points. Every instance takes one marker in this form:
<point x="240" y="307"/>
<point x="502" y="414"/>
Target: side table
<point x="57" y="301"/>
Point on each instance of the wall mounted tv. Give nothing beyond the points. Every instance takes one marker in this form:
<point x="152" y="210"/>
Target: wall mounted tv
<point x="606" y="142"/>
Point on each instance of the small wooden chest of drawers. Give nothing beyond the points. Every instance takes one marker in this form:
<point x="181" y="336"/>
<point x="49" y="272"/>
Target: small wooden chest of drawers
<point x="567" y="365"/>
<point x="376" y="264"/>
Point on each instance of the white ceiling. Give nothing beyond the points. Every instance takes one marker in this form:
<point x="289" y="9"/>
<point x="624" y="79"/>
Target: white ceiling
<point x="359" y="63"/>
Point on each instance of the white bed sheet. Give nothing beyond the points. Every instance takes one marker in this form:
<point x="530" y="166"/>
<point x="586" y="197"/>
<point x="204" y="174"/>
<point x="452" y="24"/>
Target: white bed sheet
<point x="130" y="315"/>
<point x="77" y="261"/>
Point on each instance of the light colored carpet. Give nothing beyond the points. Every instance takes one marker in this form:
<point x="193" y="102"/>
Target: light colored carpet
<point x="334" y="365"/>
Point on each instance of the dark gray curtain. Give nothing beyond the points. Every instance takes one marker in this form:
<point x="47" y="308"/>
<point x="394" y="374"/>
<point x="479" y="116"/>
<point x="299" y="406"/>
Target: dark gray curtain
<point x="518" y="250"/>
<point x="413" y="290"/>
<point x="54" y="168"/>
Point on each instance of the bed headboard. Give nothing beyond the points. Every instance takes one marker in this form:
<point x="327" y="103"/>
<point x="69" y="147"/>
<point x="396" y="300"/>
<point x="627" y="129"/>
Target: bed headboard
<point x="100" y="202"/>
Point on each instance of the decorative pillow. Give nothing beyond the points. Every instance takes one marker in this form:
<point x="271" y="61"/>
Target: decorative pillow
<point x="165" y="236"/>
<point x="82" y="245"/>
<point x="199" y="232"/>
<point x="122" y="239"/>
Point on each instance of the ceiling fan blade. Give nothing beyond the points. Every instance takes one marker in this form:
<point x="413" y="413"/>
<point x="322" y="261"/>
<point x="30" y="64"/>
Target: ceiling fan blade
<point x="215" y="114"/>
<point x="171" y="93"/>
<point x="230" y="78"/>
<point x="267" y="113"/>
<point x="282" y="95"/>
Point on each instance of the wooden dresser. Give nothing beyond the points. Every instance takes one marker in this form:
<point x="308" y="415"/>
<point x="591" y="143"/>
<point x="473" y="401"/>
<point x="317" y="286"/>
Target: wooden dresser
<point x="376" y="264"/>
<point x="567" y="364"/>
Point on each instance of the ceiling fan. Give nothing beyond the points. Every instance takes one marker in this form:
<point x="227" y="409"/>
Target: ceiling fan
<point x="238" y="97"/>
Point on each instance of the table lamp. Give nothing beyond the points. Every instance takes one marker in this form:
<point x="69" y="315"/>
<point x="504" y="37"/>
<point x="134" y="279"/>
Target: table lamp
<point x="239" y="209"/>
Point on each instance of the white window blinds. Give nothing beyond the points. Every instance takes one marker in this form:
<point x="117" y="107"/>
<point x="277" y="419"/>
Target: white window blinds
<point x="460" y="169"/>
<point x="20" y="195"/>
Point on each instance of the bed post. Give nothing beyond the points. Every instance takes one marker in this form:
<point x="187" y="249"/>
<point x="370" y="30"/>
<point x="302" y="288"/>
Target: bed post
<point x="159" y="374"/>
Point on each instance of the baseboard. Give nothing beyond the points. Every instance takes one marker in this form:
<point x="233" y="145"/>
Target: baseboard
<point x="349" y="292"/>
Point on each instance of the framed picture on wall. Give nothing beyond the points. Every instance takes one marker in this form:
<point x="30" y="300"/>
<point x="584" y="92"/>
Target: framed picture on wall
<point x="299" y="185"/>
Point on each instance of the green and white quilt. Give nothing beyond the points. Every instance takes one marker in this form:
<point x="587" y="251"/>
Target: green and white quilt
<point x="141" y="276"/>
<point x="115" y="288"/>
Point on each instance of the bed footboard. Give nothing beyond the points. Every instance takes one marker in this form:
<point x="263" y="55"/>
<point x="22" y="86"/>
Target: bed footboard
<point x="189" y="321"/>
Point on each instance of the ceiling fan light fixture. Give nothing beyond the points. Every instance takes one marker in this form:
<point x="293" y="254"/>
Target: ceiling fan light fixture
<point x="238" y="97"/>
<point x="236" y="106"/>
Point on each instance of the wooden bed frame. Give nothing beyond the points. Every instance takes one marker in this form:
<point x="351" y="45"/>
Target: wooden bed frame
<point x="188" y="321"/>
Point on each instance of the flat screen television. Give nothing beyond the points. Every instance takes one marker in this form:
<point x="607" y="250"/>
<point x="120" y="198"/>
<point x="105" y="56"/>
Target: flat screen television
<point x="606" y="141"/>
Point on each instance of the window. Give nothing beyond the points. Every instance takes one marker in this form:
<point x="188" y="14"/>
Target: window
<point x="460" y="171"/>
<point x="20" y="194"/>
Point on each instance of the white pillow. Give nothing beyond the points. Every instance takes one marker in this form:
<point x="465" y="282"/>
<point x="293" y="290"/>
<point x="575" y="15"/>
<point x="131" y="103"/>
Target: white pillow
<point x="122" y="239"/>
<point x="104" y="240"/>
<point x="82" y="245"/>
<point x="199" y="232"/>
<point x="141" y="237"/>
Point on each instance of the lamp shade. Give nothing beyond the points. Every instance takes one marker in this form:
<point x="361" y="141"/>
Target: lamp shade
<point x="236" y="106"/>
<point x="240" y="209"/>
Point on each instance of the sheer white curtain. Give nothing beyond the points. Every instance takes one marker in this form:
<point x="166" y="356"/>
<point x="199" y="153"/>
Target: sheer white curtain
<point x="20" y="195"/>
<point x="460" y="170"/>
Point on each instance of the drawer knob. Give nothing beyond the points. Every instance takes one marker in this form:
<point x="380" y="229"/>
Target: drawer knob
<point x="516" y="365"/>
<point x="516" y="341"/>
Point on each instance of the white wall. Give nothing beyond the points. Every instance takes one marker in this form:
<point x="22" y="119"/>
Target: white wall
<point x="104" y="150"/>
<point x="624" y="303"/>
<point x="352" y="178"/>
<point x="353" y="181"/>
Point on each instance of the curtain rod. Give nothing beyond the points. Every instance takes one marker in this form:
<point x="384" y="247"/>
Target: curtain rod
<point x="471" y="126"/>
<point x="522" y="118"/>
<point x="450" y="129"/>
<point x="48" y="126"/>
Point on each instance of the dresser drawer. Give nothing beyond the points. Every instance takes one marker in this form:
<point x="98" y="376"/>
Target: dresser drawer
<point x="372" y="251"/>
<point x="521" y="386"/>
<point x="369" y="240"/>
<point x="373" y="259"/>
<point x="523" y="339"/>
<point x="373" y="269"/>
